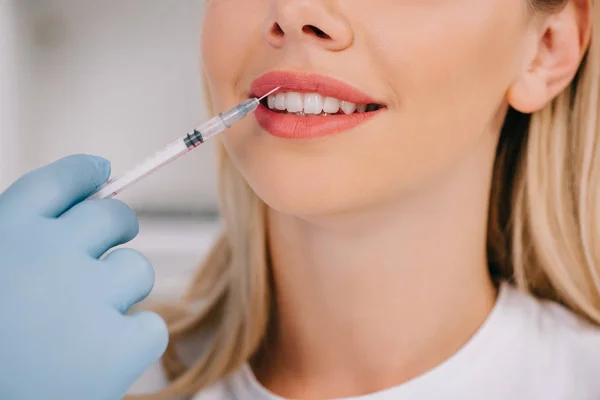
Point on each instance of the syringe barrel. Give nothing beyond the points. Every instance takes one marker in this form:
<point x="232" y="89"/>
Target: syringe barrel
<point x="176" y="149"/>
<point x="227" y="118"/>
<point x="140" y="171"/>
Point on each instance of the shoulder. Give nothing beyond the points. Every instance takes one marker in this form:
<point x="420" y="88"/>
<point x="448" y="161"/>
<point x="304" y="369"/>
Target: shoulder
<point x="155" y="379"/>
<point x="574" y="339"/>
<point x="557" y="325"/>
<point x="562" y="347"/>
<point x="218" y="391"/>
<point x="547" y="318"/>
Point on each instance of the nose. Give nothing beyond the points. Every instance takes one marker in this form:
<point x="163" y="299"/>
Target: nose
<point x="307" y="21"/>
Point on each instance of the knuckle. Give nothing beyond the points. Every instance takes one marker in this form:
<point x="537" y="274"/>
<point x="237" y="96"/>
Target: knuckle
<point x="100" y="213"/>
<point x="139" y="266"/>
<point x="112" y="214"/>
<point x="149" y="335"/>
<point x="155" y="327"/>
<point x="127" y="218"/>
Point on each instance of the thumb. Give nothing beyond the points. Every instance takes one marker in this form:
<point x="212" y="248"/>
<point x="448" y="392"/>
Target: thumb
<point x="51" y="190"/>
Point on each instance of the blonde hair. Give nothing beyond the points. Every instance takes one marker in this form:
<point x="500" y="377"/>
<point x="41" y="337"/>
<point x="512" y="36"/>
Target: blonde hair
<point x="544" y="232"/>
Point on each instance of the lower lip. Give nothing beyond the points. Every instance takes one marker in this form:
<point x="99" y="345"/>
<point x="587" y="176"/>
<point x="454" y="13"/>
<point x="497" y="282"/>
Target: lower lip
<point x="290" y="126"/>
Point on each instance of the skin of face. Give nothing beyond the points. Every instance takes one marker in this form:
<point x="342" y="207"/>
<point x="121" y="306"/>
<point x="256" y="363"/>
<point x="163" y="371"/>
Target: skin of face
<point x="442" y="68"/>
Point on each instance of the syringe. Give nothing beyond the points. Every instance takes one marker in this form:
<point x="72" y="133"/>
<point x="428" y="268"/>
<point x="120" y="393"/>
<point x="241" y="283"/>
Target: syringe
<point x="178" y="148"/>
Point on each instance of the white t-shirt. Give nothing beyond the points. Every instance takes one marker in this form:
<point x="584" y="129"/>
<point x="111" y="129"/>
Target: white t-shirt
<point x="527" y="349"/>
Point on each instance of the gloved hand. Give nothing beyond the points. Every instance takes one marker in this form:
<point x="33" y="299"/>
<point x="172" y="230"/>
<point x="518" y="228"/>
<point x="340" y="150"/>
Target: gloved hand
<point x="63" y="332"/>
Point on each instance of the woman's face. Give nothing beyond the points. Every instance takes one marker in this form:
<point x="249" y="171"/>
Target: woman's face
<point x="439" y="68"/>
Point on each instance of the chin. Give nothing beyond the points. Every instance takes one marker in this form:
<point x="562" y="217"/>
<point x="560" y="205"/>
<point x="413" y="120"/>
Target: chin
<point x="316" y="197"/>
<point x="300" y="200"/>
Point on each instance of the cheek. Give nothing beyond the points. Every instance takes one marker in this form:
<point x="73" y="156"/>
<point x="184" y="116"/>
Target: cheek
<point x="450" y="70"/>
<point x="446" y="71"/>
<point x="451" y="67"/>
<point x="229" y="29"/>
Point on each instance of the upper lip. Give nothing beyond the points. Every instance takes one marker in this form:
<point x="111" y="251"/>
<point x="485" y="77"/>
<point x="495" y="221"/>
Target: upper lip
<point x="309" y="83"/>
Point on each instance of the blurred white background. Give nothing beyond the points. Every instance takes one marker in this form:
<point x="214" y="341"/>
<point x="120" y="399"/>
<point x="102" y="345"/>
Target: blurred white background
<point x="120" y="79"/>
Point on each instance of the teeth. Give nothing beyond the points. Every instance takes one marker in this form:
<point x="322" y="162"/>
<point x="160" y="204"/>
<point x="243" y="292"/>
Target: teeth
<point x="348" y="107"/>
<point x="294" y="102"/>
<point x="271" y="101"/>
<point x="280" y="101"/>
<point x="314" y="104"/>
<point x="331" y="105"/>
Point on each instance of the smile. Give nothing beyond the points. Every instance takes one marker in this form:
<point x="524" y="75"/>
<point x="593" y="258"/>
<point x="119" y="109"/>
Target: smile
<point x="309" y="106"/>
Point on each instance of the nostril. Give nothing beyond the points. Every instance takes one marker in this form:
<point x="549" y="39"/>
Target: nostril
<point x="311" y="29"/>
<point x="277" y="31"/>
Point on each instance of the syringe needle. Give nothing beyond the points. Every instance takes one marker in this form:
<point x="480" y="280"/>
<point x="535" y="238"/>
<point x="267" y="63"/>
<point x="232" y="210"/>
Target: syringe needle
<point x="270" y="93"/>
<point x="179" y="147"/>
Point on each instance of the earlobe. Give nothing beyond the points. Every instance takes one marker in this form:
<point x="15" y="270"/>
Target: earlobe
<point x="559" y="53"/>
<point x="529" y="93"/>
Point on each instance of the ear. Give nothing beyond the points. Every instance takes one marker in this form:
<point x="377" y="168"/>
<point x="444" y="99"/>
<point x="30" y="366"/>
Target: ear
<point x="563" y="41"/>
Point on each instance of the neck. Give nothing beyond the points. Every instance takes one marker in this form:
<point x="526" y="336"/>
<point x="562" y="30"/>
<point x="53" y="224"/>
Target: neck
<point x="372" y="299"/>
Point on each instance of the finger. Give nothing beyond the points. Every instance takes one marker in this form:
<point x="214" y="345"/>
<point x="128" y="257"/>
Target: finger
<point x="151" y="337"/>
<point x="99" y="225"/>
<point x="51" y="190"/>
<point x="129" y="278"/>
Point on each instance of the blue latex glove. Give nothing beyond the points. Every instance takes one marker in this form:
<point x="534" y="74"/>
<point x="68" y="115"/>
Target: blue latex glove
<point x="63" y="332"/>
